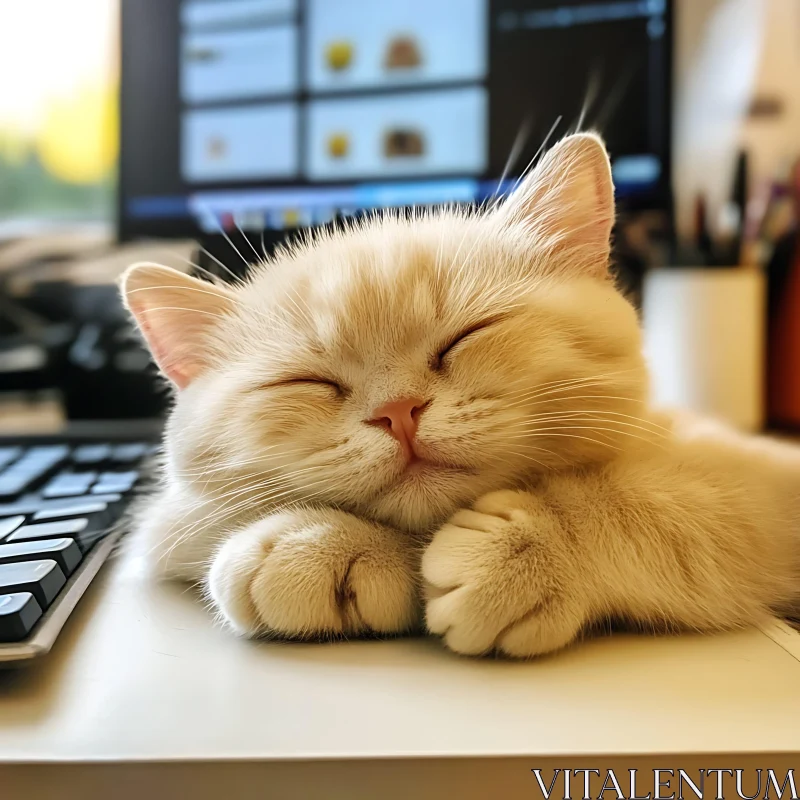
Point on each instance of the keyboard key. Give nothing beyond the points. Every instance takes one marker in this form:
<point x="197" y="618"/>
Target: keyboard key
<point x="53" y="453"/>
<point x="119" y="482"/>
<point x="32" y="504"/>
<point x="69" y="484"/>
<point x="19" y="612"/>
<point x="33" y="467"/>
<point x="46" y="454"/>
<point x="71" y="511"/>
<point x="84" y="530"/>
<point x="129" y="453"/>
<point x="65" y="552"/>
<point x="9" y="525"/>
<point x="50" y="530"/>
<point x="91" y="454"/>
<point x="9" y="454"/>
<point x="130" y="477"/>
<point x="16" y="484"/>
<point x="43" y="579"/>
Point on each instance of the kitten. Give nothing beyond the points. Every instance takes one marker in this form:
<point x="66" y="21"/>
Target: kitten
<point x="447" y="419"/>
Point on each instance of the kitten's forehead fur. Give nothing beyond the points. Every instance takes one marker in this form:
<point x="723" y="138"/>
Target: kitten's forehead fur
<point x="368" y="310"/>
<point x="395" y="281"/>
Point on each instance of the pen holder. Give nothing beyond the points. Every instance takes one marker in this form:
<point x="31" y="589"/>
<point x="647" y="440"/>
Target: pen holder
<point x="704" y="340"/>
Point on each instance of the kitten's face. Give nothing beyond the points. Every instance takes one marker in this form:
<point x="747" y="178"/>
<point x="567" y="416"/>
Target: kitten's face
<point x="517" y="353"/>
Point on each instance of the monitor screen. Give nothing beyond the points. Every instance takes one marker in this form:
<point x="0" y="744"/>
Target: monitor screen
<point x="274" y="114"/>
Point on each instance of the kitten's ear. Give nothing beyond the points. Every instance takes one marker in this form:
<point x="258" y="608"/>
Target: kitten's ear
<point x="177" y="315"/>
<point x="567" y="204"/>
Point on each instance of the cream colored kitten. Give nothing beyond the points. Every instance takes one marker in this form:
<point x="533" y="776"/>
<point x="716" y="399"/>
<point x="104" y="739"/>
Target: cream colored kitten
<point x="447" y="418"/>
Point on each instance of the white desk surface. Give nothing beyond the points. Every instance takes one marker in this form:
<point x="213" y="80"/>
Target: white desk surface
<point x="142" y="684"/>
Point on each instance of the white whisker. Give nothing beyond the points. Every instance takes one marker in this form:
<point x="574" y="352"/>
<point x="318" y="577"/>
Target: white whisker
<point x="236" y="279"/>
<point x="250" y="244"/>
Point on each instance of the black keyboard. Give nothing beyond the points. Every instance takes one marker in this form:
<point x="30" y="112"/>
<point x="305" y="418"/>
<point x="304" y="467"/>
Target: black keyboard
<point x="61" y="503"/>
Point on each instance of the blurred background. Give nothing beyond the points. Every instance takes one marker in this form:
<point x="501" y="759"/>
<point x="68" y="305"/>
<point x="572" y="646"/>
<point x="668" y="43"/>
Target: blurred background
<point x="185" y="131"/>
<point x="58" y="114"/>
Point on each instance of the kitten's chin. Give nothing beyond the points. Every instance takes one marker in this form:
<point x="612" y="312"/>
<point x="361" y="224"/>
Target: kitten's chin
<point x="424" y="495"/>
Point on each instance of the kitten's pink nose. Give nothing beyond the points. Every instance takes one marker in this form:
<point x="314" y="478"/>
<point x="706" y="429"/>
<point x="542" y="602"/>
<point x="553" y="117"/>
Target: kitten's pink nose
<point x="400" y="418"/>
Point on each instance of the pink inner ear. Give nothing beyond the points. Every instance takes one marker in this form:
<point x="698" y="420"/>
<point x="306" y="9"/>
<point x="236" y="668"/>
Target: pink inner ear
<point x="177" y="315"/>
<point x="567" y="204"/>
<point x="165" y="353"/>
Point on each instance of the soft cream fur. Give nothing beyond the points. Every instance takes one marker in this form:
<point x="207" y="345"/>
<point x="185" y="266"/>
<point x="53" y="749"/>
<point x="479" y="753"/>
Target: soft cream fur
<point x="561" y="498"/>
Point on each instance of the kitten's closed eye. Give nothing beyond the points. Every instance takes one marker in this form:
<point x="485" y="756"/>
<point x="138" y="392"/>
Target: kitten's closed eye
<point x="306" y="380"/>
<point x="438" y="360"/>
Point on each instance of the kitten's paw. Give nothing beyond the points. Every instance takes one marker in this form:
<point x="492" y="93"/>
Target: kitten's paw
<point x="315" y="574"/>
<point x="499" y="579"/>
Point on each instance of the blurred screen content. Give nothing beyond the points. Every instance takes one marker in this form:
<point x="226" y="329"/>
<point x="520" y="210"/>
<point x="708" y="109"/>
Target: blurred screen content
<point x="275" y="113"/>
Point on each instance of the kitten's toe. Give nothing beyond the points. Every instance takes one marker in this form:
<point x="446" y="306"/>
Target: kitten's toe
<point x="539" y="632"/>
<point x="456" y="617"/>
<point x="507" y="504"/>
<point x="232" y="572"/>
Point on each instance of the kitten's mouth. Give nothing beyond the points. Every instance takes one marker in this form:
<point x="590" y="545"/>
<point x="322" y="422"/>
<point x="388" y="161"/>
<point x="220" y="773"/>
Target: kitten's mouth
<point x="427" y="466"/>
<point x="425" y="475"/>
<point x="421" y="465"/>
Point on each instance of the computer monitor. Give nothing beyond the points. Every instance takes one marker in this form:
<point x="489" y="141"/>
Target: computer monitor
<point x="273" y="114"/>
